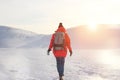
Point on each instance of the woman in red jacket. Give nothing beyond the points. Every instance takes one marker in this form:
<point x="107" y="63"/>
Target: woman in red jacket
<point x="60" y="53"/>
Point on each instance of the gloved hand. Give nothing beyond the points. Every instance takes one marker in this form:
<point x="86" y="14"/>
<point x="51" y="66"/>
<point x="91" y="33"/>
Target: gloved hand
<point x="70" y="52"/>
<point x="48" y="51"/>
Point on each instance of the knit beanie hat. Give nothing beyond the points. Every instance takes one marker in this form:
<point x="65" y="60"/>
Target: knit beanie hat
<point x="60" y="25"/>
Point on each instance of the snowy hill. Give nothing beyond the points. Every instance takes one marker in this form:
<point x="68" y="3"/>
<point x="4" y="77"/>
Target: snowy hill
<point x="80" y="38"/>
<point x="104" y="37"/>
<point x="11" y="37"/>
<point x="40" y="41"/>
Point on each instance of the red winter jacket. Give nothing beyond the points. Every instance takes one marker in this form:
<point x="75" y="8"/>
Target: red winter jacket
<point x="61" y="53"/>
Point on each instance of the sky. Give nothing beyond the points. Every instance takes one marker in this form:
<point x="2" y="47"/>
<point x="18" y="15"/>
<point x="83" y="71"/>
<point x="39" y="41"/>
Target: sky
<point x="43" y="16"/>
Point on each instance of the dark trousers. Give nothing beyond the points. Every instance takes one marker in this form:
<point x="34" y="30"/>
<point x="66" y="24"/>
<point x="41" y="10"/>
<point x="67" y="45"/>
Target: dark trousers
<point x="60" y="65"/>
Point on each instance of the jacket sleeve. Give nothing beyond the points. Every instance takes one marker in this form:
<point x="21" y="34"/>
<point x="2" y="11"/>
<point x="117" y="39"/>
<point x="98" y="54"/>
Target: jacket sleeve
<point x="51" y="42"/>
<point x="68" y="42"/>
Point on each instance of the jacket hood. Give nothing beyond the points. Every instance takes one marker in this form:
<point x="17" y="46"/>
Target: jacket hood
<point x="61" y="29"/>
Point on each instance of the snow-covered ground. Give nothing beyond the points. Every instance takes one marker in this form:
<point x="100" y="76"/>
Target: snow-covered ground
<point x="34" y="64"/>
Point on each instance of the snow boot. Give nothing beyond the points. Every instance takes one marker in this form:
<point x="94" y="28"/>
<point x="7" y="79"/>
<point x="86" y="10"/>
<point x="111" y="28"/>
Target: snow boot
<point x="60" y="78"/>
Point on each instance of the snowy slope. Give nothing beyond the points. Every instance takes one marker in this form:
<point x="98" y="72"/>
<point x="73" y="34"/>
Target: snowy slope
<point x="34" y="64"/>
<point x="15" y="38"/>
<point x="81" y="38"/>
<point x="41" y="41"/>
<point x="10" y="37"/>
<point x="103" y="38"/>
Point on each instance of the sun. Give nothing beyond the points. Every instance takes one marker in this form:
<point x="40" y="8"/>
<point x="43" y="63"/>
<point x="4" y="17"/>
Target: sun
<point x="92" y="26"/>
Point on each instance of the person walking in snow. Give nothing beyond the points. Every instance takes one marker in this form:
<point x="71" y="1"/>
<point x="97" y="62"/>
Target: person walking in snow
<point x="59" y="44"/>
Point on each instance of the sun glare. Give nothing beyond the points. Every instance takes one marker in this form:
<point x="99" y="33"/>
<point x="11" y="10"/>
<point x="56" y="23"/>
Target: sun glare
<point x="109" y="58"/>
<point x="92" y="26"/>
